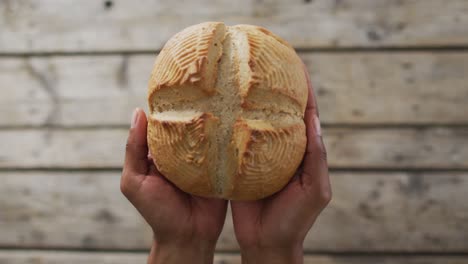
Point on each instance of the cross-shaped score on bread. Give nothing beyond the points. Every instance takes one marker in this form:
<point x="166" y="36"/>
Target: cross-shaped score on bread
<point x="226" y="111"/>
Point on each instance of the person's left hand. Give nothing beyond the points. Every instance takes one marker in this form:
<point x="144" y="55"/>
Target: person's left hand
<point x="273" y="229"/>
<point x="185" y="227"/>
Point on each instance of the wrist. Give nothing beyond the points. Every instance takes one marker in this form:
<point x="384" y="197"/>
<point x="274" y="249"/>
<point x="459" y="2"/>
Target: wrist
<point x="273" y="255"/>
<point x="197" y="253"/>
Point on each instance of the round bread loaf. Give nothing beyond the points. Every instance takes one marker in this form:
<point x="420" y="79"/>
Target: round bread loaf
<point x="226" y="111"/>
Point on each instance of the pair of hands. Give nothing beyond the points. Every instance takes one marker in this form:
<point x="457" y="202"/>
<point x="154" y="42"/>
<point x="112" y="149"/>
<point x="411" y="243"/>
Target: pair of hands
<point x="186" y="227"/>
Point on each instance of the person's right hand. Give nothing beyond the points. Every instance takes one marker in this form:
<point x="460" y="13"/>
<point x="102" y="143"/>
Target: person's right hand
<point x="185" y="227"/>
<point x="273" y="230"/>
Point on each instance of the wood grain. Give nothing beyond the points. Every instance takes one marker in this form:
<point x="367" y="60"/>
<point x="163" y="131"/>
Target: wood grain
<point x="379" y="148"/>
<point x="51" y="26"/>
<point x="69" y="81"/>
<point x="371" y="212"/>
<point x="59" y="257"/>
<point x="352" y="88"/>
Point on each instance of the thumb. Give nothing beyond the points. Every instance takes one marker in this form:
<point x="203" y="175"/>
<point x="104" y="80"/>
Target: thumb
<point x="136" y="153"/>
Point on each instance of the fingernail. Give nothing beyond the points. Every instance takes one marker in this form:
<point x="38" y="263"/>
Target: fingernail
<point x="318" y="129"/>
<point x="134" y="118"/>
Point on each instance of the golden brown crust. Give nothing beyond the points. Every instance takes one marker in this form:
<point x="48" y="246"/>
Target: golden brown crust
<point x="267" y="158"/>
<point x="183" y="152"/>
<point x="275" y="70"/>
<point x="188" y="60"/>
<point x="207" y="77"/>
<point x="266" y="32"/>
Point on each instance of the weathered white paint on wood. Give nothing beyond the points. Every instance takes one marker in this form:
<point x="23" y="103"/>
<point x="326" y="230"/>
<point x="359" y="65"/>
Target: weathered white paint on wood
<point x="50" y="25"/>
<point x="78" y="148"/>
<point x="60" y="257"/>
<point x="352" y="88"/>
<point x="369" y="212"/>
<point x="347" y="148"/>
<point x="96" y="90"/>
<point x="397" y="148"/>
<point x="391" y="88"/>
<point x="42" y="209"/>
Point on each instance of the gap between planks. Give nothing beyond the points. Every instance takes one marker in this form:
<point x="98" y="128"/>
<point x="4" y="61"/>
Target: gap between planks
<point x="105" y="170"/>
<point x="307" y="253"/>
<point x="388" y="49"/>
<point x="422" y="126"/>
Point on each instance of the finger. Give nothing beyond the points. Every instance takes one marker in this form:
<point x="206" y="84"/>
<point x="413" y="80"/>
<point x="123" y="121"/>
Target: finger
<point x="150" y="157"/>
<point x="164" y="183"/>
<point x="246" y="217"/>
<point x="208" y="206"/>
<point x="136" y="155"/>
<point x="153" y="170"/>
<point x="298" y="173"/>
<point x="311" y="99"/>
<point x="315" y="178"/>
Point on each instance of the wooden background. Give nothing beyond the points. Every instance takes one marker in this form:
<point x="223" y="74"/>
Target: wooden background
<point x="391" y="78"/>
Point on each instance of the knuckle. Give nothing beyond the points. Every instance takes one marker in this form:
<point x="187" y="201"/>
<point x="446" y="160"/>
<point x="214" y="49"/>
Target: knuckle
<point x="325" y="196"/>
<point x="128" y="147"/>
<point x="323" y="153"/>
<point x="124" y="188"/>
<point x="318" y="148"/>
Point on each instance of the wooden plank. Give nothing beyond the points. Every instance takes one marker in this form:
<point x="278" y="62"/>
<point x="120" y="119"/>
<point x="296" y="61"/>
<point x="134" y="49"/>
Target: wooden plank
<point x="391" y="88"/>
<point x="89" y="90"/>
<point x="352" y="88"/>
<point x="379" y="148"/>
<point x="51" y="26"/>
<point x="397" y="148"/>
<point x="59" y="257"/>
<point x="370" y="212"/>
